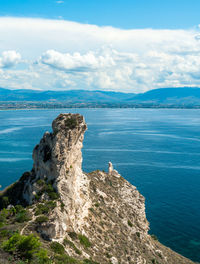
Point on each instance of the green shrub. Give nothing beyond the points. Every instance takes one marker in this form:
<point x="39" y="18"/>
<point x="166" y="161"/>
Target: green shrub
<point x="4" y="213"/>
<point x="41" y="219"/>
<point x="92" y="209"/>
<point x="19" y="208"/>
<point x="62" y="206"/>
<point x="25" y="246"/>
<point x="3" y="216"/>
<point x="89" y="261"/>
<point x="45" y="208"/>
<point x="48" y="188"/>
<point x="65" y="259"/>
<point x="130" y="223"/>
<point x="71" y="244"/>
<point x="57" y="248"/>
<point x="40" y="182"/>
<point x="5" y="233"/>
<point x="53" y="195"/>
<point x="84" y="241"/>
<point x="28" y="245"/>
<point x="154" y="237"/>
<point x="5" y="201"/>
<point x="73" y="235"/>
<point x="12" y="211"/>
<point x="11" y="244"/>
<point x="41" y="257"/>
<point x="22" y="216"/>
<point x="41" y="209"/>
<point x="50" y="204"/>
<point x="71" y="123"/>
<point x="138" y="234"/>
<point x="37" y="197"/>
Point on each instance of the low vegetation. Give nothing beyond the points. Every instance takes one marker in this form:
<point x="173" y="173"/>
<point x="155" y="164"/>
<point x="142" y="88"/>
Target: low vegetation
<point x="30" y="248"/>
<point x="26" y="248"/>
<point x="71" y="123"/>
<point x="57" y="248"/>
<point x="72" y="246"/>
<point x="84" y="241"/>
<point x="130" y="223"/>
<point x="41" y="219"/>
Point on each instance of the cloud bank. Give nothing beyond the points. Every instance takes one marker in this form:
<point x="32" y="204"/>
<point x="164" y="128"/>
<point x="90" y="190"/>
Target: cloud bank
<point x="57" y="54"/>
<point x="9" y="59"/>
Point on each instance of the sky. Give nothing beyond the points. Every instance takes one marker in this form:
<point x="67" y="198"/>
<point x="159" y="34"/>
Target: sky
<point x="126" y="46"/>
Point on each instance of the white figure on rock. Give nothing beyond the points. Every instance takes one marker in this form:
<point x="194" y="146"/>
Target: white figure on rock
<point x="111" y="170"/>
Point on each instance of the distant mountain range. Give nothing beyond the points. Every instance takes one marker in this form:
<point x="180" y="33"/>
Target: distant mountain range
<point x="72" y="96"/>
<point x="185" y="96"/>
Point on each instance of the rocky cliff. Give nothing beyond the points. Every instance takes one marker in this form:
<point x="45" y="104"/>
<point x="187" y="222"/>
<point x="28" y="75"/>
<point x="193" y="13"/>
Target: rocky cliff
<point x="97" y="216"/>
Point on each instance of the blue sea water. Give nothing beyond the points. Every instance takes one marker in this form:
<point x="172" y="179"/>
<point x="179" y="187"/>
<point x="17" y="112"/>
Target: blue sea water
<point x="157" y="150"/>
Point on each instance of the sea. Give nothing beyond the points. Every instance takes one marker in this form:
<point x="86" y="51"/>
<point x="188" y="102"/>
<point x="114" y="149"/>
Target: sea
<point x="157" y="150"/>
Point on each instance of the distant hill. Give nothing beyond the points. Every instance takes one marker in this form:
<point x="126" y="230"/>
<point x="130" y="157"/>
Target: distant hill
<point x="183" y="96"/>
<point x="77" y="96"/>
<point x="169" y="96"/>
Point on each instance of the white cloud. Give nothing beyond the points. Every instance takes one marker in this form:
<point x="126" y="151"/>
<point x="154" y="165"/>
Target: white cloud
<point x="86" y="62"/>
<point x="59" y="2"/>
<point x="9" y="59"/>
<point x="70" y="55"/>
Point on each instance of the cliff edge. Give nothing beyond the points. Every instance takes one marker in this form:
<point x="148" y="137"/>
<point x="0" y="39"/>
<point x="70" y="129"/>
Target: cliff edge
<point x="95" y="217"/>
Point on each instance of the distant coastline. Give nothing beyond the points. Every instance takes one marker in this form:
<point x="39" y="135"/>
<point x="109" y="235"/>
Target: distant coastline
<point x="43" y="106"/>
<point x="170" y="98"/>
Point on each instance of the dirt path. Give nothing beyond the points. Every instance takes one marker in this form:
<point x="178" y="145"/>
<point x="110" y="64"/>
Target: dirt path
<point x="29" y="222"/>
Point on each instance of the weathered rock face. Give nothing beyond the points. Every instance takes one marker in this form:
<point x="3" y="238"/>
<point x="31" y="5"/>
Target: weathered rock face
<point x="104" y="207"/>
<point x="57" y="161"/>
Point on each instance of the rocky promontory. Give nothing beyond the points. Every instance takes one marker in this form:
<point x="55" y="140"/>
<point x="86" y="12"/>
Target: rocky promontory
<point x="76" y="217"/>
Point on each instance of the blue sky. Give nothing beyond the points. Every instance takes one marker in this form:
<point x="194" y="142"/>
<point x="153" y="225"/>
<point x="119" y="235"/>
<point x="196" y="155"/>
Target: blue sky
<point x="127" y="14"/>
<point x="127" y="46"/>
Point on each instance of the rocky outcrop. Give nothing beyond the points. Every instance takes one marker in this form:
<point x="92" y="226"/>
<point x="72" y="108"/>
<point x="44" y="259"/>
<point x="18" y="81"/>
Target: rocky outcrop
<point x="57" y="161"/>
<point x="98" y="214"/>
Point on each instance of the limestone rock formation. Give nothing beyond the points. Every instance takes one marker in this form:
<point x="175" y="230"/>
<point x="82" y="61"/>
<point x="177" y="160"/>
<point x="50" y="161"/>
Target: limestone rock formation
<point x="98" y="214"/>
<point x="58" y="160"/>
